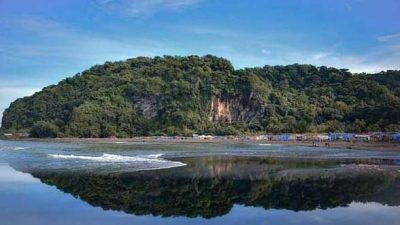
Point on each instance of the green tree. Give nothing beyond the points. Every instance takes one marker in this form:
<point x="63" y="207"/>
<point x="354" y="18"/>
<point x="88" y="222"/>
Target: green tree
<point x="43" y="129"/>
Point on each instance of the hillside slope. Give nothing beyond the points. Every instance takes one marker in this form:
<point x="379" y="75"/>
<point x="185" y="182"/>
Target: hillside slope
<point x="185" y="95"/>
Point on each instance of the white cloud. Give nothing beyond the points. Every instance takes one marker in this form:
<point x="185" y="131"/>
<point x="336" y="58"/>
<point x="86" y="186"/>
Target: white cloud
<point x="391" y="43"/>
<point x="391" y="37"/>
<point x="321" y="55"/>
<point x="266" y="51"/>
<point x="241" y="56"/>
<point x="370" y="63"/>
<point x="144" y="7"/>
<point x="285" y="47"/>
<point x="206" y="30"/>
<point x="41" y="26"/>
<point x="67" y="45"/>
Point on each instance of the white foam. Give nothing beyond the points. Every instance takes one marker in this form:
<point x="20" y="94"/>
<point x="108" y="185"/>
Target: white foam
<point x="109" y="158"/>
<point x="152" y="158"/>
<point x="270" y="144"/>
<point x="7" y="148"/>
<point x="338" y="155"/>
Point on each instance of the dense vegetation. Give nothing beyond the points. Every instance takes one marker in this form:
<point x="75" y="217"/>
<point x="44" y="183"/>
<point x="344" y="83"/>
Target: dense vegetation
<point x="206" y="95"/>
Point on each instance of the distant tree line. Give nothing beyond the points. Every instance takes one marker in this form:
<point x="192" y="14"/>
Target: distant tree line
<point x="174" y="96"/>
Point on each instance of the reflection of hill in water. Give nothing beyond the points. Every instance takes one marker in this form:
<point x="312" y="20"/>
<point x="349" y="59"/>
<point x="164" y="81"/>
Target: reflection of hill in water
<point x="209" y="187"/>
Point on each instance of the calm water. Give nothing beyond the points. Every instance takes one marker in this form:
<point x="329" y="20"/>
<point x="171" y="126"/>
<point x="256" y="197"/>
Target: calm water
<point x="122" y="183"/>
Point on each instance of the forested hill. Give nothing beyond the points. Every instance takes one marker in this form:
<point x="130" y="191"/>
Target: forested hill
<point x="206" y="95"/>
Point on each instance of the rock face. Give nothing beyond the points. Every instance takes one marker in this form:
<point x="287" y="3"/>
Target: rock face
<point x="147" y="106"/>
<point x="220" y="110"/>
<point x="241" y="108"/>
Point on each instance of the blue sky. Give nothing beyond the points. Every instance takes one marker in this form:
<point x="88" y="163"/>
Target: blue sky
<point x="43" y="41"/>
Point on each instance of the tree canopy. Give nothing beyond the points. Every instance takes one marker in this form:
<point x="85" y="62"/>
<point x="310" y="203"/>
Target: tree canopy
<point x="186" y="95"/>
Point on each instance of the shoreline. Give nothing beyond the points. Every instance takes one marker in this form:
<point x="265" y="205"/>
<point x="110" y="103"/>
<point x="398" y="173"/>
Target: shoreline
<point x="373" y="146"/>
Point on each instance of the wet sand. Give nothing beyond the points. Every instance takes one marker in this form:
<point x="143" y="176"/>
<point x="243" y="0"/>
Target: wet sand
<point x="375" y="146"/>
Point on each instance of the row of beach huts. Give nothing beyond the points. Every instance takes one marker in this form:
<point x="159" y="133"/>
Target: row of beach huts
<point x="368" y="137"/>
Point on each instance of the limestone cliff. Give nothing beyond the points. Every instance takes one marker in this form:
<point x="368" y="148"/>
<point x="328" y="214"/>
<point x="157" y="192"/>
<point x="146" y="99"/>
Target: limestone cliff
<point x="240" y="108"/>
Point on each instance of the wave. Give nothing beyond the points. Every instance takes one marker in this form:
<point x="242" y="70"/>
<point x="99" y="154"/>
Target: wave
<point x="153" y="159"/>
<point x="153" y="156"/>
<point x="6" y="148"/>
<point x="110" y="158"/>
<point x="270" y="144"/>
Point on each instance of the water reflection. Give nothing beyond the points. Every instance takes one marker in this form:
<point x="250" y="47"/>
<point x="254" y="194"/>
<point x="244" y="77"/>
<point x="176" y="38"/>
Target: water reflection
<point x="211" y="186"/>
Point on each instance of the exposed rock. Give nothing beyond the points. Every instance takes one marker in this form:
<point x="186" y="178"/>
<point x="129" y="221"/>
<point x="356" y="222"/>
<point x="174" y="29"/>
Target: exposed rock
<point x="241" y="108"/>
<point x="146" y="106"/>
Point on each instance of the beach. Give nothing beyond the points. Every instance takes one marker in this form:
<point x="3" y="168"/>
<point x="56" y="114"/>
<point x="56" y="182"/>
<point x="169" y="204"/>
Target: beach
<point x="356" y="145"/>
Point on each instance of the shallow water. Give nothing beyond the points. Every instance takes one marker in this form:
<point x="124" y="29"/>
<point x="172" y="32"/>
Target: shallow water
<point x="128" y="183"/>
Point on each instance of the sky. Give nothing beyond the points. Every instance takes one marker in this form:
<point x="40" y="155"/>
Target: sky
<point x="44" y="41"/>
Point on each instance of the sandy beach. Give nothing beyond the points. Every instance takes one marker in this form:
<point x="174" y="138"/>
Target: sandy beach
<point x="375" y="146"/>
